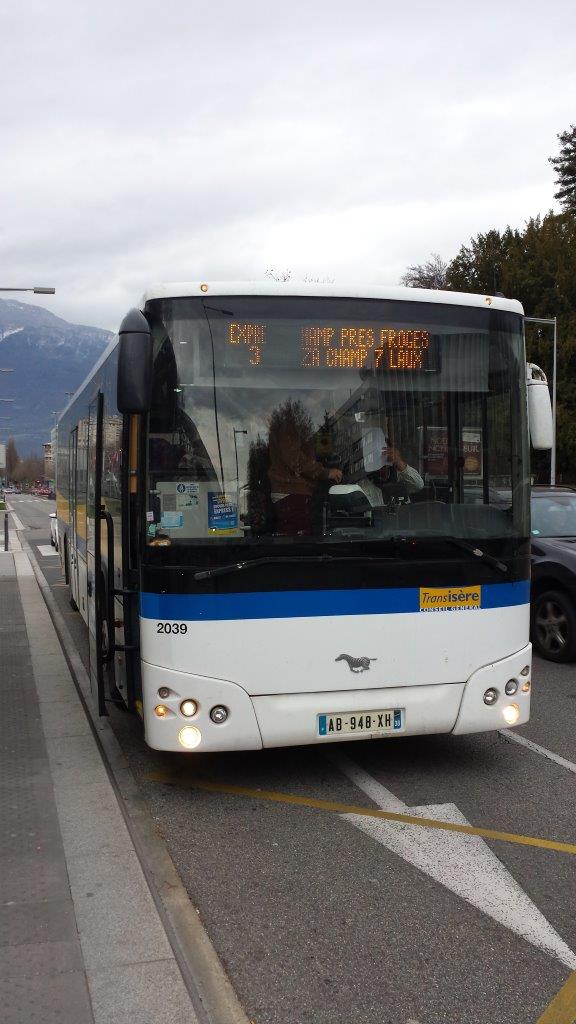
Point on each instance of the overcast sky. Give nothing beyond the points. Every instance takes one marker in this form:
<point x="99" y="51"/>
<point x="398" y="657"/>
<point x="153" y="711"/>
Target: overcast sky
<point x="178" y="140"/>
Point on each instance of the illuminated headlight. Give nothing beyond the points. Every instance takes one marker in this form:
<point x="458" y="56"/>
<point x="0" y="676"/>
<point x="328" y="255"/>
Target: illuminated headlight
<point x="511" y="687"/>
<point x="161" y="711"/>
<point x="526" y="686"/>
<point x="490" y="696"/>
<point x="188" y="708"/>
<point x="219" y="714"/>
<point x="189" y="737"/>
<point x="163" y="692"/>
<point x="511" y="714"/>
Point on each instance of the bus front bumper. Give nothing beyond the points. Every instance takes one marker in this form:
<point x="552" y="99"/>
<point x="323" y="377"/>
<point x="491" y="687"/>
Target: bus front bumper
<point x="277" y="720"/>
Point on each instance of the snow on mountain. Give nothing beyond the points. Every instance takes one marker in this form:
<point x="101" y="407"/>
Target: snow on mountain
<point x="48" y="357"/>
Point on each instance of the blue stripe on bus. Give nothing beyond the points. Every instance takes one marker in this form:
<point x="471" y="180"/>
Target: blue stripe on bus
<point x="295" y="604"/>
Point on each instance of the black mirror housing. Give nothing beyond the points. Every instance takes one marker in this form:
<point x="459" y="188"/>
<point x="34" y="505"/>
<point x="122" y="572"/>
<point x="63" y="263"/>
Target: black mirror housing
<point x="134" y="391"/>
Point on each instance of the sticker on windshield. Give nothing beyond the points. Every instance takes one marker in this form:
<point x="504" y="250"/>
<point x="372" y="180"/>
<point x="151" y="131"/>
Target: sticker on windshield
<point x="222" y="513"/>
<point x="187" y="495"/>
<point x="172" y="520"/>
<point x="449" y="599"/>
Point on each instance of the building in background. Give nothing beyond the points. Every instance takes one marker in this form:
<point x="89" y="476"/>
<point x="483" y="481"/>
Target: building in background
<point x="49" y="472"/>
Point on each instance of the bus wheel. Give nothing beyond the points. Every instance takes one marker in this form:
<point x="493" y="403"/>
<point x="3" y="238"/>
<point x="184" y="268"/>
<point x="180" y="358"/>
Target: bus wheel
<point x="554" y="626"/>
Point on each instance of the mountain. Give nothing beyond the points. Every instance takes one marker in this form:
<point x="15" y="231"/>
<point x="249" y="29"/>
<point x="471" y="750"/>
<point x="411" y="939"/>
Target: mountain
<point x="48" y="357"/>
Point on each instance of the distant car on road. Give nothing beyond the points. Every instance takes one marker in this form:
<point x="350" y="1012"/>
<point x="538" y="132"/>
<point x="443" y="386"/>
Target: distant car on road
<point x="553" y="596"/>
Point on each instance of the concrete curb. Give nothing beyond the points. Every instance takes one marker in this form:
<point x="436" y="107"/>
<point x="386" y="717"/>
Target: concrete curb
<point x="209" y="987"/>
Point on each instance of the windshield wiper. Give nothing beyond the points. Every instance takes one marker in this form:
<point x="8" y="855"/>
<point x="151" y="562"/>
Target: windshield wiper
<point x="477" y="552"/>
<point x="223" y="570"/>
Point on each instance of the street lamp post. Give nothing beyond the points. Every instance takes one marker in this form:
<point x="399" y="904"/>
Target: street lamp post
<point x="37" y="291"/>
<point x="236" y="449"/>
<point x="554" y="321"/>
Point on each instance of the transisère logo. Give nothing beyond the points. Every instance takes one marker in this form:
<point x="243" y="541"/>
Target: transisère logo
<point x="446" y="599"/>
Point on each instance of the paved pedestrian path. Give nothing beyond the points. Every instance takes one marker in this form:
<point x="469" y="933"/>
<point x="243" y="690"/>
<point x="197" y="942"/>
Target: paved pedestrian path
<point x="81" y="941"/>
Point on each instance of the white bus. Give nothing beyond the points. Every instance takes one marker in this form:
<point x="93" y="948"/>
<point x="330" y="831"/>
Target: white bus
<point x="293" y="514"/>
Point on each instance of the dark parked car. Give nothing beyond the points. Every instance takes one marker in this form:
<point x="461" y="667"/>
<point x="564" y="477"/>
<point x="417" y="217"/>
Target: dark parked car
<point x="553" y="601"/>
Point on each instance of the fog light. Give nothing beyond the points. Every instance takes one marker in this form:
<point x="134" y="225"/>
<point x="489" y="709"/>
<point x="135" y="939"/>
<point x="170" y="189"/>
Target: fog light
<point x="188" y="708"/>
<point x="189" y="737"/>
<point x="526" y="686"/>
<point x="511" y="714"/>
<point x="161" y="711"/>
<point x="163" y="692"/>
<point x="219" y="714"/>
<point x="491" y="696"/>
<point x="525" y="671"/>
<point x="511" y="687"/>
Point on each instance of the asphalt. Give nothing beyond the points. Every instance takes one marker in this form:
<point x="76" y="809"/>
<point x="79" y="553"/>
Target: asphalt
<point x="316" y="919"/>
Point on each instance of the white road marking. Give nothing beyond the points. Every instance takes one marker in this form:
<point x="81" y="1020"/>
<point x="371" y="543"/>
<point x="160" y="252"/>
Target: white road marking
<point x="47" y="550"/>
<point x="537" y="749"/>
<point x="464" y="864"/>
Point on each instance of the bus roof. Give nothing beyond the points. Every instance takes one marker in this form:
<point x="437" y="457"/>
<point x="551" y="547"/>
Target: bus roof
<point x="189" y="289"/>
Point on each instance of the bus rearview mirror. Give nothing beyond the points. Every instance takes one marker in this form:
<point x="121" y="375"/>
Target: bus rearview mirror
<point x="539" y="408"/>
<point x="134" y="364"/>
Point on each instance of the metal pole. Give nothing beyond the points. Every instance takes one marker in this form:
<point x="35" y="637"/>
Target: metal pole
<point x="553" y="455"/>
<point x="554" y="321"/>
<point x="5" y="531"/>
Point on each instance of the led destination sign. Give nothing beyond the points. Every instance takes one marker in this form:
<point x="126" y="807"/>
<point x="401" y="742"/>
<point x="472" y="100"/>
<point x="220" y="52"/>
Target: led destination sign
<point x="338" y="347"/>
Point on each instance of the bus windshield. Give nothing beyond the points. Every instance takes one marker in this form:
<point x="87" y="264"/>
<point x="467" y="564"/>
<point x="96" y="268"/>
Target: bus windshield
<point x="278" y="420"/>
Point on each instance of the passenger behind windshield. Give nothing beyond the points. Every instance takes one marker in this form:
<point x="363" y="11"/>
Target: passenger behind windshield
<point x="294" y="469"/>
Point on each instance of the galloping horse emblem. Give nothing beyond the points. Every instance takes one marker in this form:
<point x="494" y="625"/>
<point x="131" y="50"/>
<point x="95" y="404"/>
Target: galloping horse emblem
<point x="356" y="664"/>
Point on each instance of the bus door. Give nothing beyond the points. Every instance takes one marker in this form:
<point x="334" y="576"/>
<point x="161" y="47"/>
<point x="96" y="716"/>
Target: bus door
<point x="95" y="588"/>
<point x="73" y="492"/>
<point x="123" y="556"/>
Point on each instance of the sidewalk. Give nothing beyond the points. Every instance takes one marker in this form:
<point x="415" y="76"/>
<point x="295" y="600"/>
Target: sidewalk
<point x="81" y="940"/>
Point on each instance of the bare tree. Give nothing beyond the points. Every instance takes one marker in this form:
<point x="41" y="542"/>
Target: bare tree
<point x="312" y="279"/>
<point x="432" y="274"/>
<point x="278" y="275"/>
<point x="12" y="459"/>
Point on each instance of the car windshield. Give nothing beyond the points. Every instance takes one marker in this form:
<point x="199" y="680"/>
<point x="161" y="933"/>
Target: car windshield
<point x="554" y="515"/>
<point x="321" y="420"/>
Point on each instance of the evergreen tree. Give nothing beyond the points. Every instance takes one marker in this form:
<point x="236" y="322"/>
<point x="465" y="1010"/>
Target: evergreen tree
<point x="565" y="166"/>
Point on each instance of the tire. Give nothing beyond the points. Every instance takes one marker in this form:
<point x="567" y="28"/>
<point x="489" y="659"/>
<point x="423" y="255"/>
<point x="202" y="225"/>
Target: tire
<point x="553" y="626"/>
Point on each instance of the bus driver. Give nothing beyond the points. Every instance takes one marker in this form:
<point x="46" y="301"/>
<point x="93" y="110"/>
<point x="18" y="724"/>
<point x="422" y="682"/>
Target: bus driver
<point x="393" y="482"/>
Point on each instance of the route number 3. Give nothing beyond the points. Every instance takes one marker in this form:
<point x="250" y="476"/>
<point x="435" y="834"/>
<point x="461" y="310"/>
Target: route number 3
<point x="171" y="627"/>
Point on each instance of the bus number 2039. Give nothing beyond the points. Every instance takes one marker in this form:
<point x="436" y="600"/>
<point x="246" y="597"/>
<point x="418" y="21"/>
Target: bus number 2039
<point x="171" y="627"/>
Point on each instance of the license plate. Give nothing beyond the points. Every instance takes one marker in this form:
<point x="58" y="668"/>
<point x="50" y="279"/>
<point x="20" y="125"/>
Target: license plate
<point x="367" y="723"/>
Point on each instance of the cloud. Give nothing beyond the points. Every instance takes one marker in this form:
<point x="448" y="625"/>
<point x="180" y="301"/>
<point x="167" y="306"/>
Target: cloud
<point x="144" y="143"/>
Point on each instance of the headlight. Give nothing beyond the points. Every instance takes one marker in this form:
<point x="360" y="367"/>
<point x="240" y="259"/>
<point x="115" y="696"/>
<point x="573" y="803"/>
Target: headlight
<point x="490" y="696"/>
<point x="511" y="714"/>
<point x="189" y="737"/>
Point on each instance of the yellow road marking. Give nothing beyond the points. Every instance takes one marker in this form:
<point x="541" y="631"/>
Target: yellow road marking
<point x="562" y="1009"/>
<point x="368" y="812"/>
